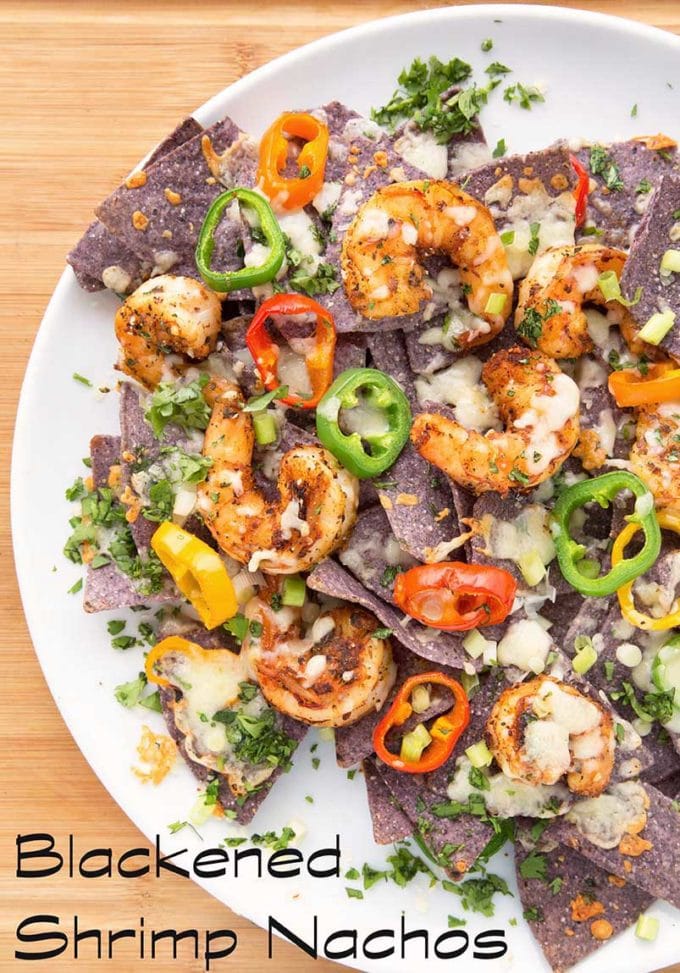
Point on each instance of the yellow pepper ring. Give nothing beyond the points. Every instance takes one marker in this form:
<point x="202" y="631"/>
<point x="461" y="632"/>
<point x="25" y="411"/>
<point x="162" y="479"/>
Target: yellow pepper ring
<point x="198" y="571"/>
<point x="172" y="644"/>
<point x="669" y="519"/>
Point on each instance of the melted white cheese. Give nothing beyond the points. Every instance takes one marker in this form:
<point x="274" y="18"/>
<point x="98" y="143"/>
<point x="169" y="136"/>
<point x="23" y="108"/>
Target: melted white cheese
<point x="525" y="645"/>
<point x="605" y="819"/>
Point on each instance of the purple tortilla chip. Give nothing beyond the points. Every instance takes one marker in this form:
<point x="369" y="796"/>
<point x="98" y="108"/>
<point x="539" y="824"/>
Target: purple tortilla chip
<point x="659" y="232"/>
<point x="616" y="213"/>
<point x="415" y="495"/>
<point x="331" y="579"/>
<point x="655" y="870"/>
<point x="521" y="190"/>
<point x="390" y="824"/>
<point x="107" y="587"/>
<point x="169" y="237"/>
<point x="245" y="812"/>
<point x="99" y="259"/>
<point x="546" y="901"/>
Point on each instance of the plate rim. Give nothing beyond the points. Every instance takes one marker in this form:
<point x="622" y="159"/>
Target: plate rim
<point x="205" y="113"/>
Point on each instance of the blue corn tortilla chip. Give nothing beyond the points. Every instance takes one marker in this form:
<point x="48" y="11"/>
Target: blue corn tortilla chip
<point x="244" y="811"/>
<point x="160" y="219"/>
<point x="655" y="869"/>
<point x="525" y="191"/>
<point x="99" y="259"/>
<point x="390" y="824"/>
<point x="107" y="587"/>
<point x="549" y="881"/>
<point x="415" y="495"/>
<point x="332" y="579"/>
<point x="613" y="215"/>
<point x="659" y="232"/>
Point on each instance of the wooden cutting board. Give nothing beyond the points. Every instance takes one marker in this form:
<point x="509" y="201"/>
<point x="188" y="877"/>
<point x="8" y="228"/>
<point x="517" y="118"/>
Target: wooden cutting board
<point x="87" y="88"/>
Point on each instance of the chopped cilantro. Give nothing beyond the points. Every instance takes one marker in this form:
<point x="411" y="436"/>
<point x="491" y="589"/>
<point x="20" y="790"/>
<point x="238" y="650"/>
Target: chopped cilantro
<point x="518" y="476"/>
<point x="323" y="281"/>
<point x="75" y="588"/>
<point x="256" y="739"/>
<point x="486" y="45"/>
<point x="405" y="866"/>
<point x="129" y="693"/>
<point x="260" y="402"/>
<point x="115" y="626"/>
<point x="478" y="779"/>
<point x="601" y="164"/>
<point x="161" y="502"/>
<point x="270" y="839"/>
<point x="352" y="875"/>
<point x="354" y="893"/>
<point x="76" y="491"/>
<point x="381" y="633"/>
<point x="476" y="894"/>
<point x="371" y="876"/>
<point x="82" y="380"/>
<point x="634" y="111"/>
<point x="499" y="151"/>
<point x="608" y="667"/>
<point x="644" y="186"/>
<point x="534" y="866"/>
<point x="182" y="405"/>
<point x="523" y="95"/>
<point x="152" y="702"/>
<point x="389" y="574"/>
<point x="496" y="68"/>
<point x="556" y="885"/>
<point x="124" y="642"/>
<point x="247" y="691"/>
<point x="533" y="914"/>
<point x="453" y="922"/>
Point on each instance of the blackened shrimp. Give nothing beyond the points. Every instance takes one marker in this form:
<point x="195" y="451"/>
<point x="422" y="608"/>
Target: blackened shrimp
<point x="327" y="672"/>
<point x="166" y="315"/>
<point x="383" y="248"/>
<point x="544" y="729"/>
<point x="539" y="407"/>
<point x="314" y="509"/>
<point x="550" y="312"/>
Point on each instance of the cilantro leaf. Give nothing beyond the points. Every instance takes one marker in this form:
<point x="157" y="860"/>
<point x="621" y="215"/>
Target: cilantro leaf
<point x="182" y="405"/>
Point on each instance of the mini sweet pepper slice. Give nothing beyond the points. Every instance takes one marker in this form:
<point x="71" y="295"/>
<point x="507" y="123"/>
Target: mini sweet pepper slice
<point x="660" y="383"/>
<point x="669" y="520"/>
<point x="318" y="360"/>
<point x="430" y="748"/>
<point x="455" y="597"/>
<point x="198" y="571"/>
<point x="602" y="490"/>
<point x="383" y="421"/>
<point x="293" y="192"/>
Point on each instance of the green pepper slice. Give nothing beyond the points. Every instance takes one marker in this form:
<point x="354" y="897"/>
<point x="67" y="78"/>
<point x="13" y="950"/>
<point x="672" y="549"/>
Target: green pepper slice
<point x="602" y="490"/>
<point x="232" y="280"/>
<point x="364" y="387"/>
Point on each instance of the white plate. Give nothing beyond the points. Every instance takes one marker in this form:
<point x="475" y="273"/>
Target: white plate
<point x="594" y="69"/>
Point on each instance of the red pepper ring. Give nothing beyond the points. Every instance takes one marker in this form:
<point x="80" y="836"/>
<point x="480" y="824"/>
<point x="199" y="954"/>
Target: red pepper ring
<point x="581" y="191"/>
<point x="446" y="730"/>
<point x="265" y="352"/>
<point x="454" y="596"/>
<point x="293" y="193"/>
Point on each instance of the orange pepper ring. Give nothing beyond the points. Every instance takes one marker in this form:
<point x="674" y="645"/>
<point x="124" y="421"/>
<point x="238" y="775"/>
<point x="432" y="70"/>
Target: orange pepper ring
<point x="173" y="643"/>
<point x="669" y="519"/>
<point x="661" y="384"/>
<point x="274" y="154"/>
<point x="445" y="731"/>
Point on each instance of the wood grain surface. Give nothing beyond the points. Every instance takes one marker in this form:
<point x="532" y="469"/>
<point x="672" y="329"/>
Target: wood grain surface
<point x="86" y="89"/>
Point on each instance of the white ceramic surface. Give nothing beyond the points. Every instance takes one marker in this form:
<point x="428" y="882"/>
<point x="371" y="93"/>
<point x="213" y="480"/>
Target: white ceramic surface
<point x="593" y="69"/>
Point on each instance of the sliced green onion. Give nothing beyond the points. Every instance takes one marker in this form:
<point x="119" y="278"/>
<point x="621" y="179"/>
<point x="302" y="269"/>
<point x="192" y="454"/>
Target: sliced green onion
<point x="647" y="928"/>
<point x="532" y="567"/>
<point x="670" y="262"/>
<point x="588" y="567"/>
<point x="469" y="681"/>
<point x="479" y="754"/>
<point x="495" y="303"/>
<point x="413" y="744"/>
<point x="608" y="283"/>
<point x="508" y="238"/>
<point x="420" y="699"/>
<point x="293" y="591"/>
<point x="474" y="643"/>
<point x="629" y="655"/>
<point x="584" y="659"/>
<point x="264" y="428"/>
<point x="657" y="327"/>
